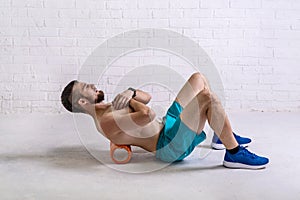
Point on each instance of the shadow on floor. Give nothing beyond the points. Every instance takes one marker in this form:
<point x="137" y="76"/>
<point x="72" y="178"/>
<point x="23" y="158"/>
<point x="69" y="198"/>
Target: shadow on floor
<point x="78" y="158"/>
<point x="183" y="167"/>
<point x="71" y="157"/>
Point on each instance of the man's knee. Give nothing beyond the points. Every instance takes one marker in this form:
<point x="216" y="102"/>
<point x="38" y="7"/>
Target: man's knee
<point x="200" y="78"/>
<point x="205" y="96"/>
<point x="196" y="76"/>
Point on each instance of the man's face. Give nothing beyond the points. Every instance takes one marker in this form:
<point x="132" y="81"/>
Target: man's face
<point x="90" y="92"/>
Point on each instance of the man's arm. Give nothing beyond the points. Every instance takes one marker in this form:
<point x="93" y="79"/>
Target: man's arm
<point x="142" y="114"/>
<point x="140" y="117"/>
<point x="142" y="96"/>
<point x="122" y="100"/>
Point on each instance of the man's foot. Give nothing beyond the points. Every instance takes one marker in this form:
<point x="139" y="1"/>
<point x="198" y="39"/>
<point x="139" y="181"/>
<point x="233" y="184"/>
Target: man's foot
<point x="244" y="159"/>
<point x="217" y="144"/>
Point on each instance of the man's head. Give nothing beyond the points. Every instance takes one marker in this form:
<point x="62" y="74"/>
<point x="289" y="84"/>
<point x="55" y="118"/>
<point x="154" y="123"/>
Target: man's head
<point x="77" y="96"/>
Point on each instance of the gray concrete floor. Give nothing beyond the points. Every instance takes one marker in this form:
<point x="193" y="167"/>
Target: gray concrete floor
<point x="43" y="157"/>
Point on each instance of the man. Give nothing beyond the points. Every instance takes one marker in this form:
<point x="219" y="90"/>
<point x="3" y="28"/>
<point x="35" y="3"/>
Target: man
<point x="128" y="121"/>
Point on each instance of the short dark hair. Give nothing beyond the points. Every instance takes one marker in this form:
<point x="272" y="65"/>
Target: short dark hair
<point x="67" y="98"/>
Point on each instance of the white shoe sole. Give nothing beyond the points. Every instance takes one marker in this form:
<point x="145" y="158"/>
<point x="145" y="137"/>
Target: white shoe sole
<point x="242" y="166"/>
<point x="221" y="146"/>
<point x="217" y="146"/>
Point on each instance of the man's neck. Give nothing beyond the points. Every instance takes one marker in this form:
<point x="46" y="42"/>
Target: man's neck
<point x="96" y="112"/>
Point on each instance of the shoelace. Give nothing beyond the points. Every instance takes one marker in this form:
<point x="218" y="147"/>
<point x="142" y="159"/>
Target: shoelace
<point x="236" y="136"/>
<point x="246" y="152"/>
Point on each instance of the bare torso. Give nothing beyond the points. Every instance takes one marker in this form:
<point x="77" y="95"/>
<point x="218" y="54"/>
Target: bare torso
<point x="123" y="134"/>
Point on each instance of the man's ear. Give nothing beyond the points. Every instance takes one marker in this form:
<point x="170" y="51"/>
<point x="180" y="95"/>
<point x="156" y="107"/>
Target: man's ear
<point x="83" y="102"/>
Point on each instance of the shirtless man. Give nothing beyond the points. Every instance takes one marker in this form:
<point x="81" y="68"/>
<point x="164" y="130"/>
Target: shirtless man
<point x="128" y="121"/>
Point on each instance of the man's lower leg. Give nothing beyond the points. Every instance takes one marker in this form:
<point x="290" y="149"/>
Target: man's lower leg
<point x="219" y="122"/>
<point x="235" y="156"/>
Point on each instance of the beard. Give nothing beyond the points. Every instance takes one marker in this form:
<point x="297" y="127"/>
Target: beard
<point x="100" y="97"/>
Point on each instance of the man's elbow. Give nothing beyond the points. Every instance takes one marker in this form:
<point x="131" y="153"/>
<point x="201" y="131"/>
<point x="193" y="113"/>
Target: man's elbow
<point x="149" y="115"/>
<point x="148" y="98"/>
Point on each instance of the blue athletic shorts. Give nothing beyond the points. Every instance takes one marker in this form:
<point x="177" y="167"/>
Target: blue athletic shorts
<point x="176" y="141"/>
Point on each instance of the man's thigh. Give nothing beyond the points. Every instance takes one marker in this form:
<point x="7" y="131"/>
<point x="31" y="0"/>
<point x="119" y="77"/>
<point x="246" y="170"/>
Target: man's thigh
<point x="194" y="114"/>
<point x="191" y="88"/>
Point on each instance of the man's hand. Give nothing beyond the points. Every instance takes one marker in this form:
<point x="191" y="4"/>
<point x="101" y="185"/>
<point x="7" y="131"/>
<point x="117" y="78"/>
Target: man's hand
<point x="122" y="100"/>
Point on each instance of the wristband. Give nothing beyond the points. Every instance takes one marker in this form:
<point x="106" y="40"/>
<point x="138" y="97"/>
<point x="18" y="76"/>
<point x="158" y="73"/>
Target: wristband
<point x="134" y="92"/>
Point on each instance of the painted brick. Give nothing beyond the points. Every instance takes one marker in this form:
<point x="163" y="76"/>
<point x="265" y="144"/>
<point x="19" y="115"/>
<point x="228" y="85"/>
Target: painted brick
<point x="140" y="14"/>
<point x="187" y="4"/>
<point x="5" y="59"/>
<point x="44" y="32"/>
<point x="184" y="23"/>
<point x="16" y="12"/>
<point x="214" y="4"/>
<point x="74" y="14"/>
<point x="29" y="41"/>
<point x="287" y="14"/>
<point x="287" y="34"/>
<point x="198" y="13"/>
<point x="59" y="4"/>
<point x="5" y="4"/>
<point x="260" y="13"/>
<point x="46" y="69"/>
<point x="253" y="44"/>
<point x="245" y="4"/>
<point x="90" y="4"/>
<point x="228" y="33"/>
<point x="117" y="4"/>
<point x="245" y="23"/>
<point x="29" y="60"/>
<point x="153" y="4"/>
<point x="199" y="33"/>
<point x="59" y="23"/>
<point x="229" y="13"/>
<point x="27" y="3"/>
<point x="278" y="4"/>
<point x="106" y="14"/>
<point x="61" y="60"/>
<point x="86" y="23"/>
<point x="214" y="23"/>
<point x="41" y="51"/>
<point x="27" y="22"/>
<point x="60" y="42"/>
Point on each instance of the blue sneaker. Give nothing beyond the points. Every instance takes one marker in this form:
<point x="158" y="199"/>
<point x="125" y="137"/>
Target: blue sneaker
<point x="217" y="144"/>
<point x="244" y="159"/>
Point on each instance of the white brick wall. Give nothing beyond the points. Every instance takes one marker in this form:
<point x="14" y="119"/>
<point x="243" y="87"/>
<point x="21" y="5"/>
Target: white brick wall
<point x="255" y="45"/>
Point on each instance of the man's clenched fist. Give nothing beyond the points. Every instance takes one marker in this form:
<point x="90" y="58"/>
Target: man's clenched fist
<point x="122" y="100"/>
